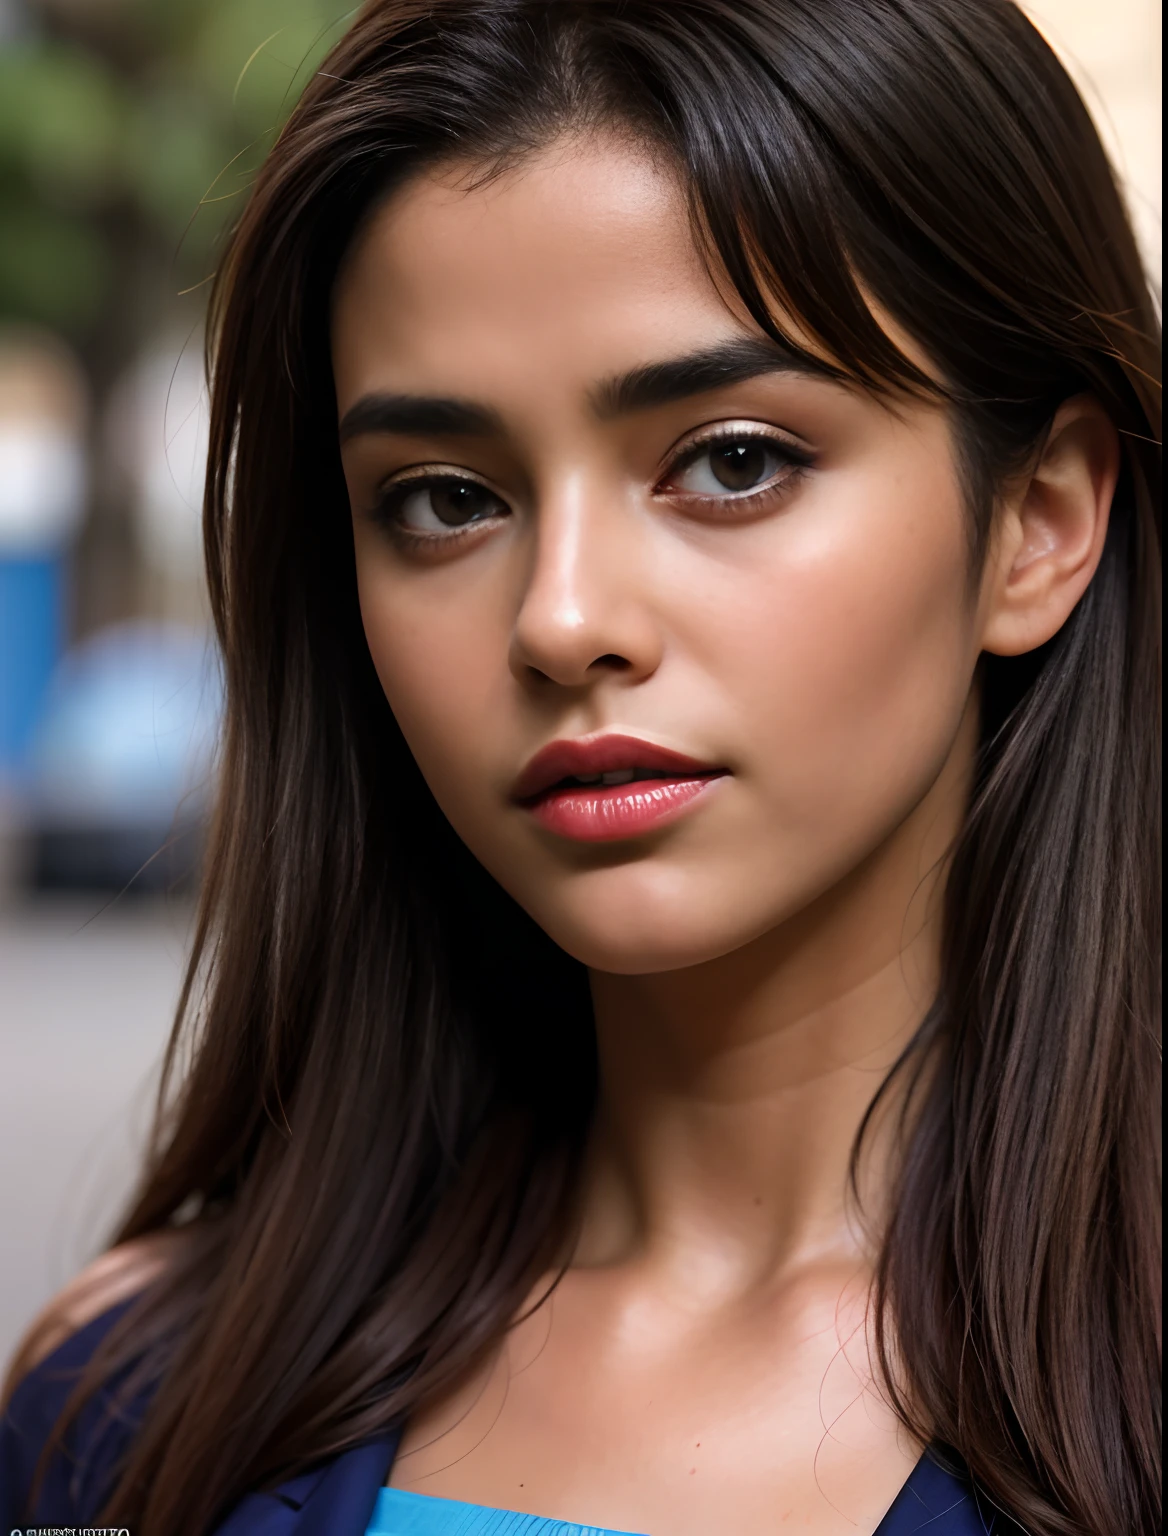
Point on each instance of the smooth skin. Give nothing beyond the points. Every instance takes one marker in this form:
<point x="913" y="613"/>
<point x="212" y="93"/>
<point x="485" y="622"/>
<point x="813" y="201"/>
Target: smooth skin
<point x="757" y="965"/>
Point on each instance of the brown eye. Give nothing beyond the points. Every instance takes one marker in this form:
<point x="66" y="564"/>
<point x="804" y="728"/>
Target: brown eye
<point x="733" y="466"/>
<point x="437" y="506"/>
<point x="740" y="466"/>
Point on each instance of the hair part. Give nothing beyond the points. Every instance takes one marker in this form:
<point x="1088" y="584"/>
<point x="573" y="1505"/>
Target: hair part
<point x="381" y="1106"/>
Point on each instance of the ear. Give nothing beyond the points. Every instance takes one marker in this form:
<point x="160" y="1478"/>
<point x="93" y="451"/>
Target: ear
<point x="1049" y="531"/>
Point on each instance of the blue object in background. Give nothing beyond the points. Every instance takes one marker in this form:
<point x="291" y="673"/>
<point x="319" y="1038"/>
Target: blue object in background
<point x="31" y="635"/>
<point x="122" y="761"/>
<point x="128" y="732"/>
<point x="42" y="497"/>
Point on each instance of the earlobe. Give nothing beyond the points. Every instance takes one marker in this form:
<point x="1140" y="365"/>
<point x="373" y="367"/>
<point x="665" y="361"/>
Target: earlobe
<point x="1050" y="531"/>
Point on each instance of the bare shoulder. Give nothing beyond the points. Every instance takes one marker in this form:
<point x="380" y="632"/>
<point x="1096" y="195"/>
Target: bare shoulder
<point x="111" y="1278"/>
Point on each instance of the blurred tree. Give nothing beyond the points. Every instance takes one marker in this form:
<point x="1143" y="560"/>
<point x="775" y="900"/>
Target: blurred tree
<point x="129" y="133"/>
<point x="129" y="129"/>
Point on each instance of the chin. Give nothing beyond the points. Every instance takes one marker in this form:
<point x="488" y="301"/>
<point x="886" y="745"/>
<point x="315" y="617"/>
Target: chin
<point x="644" y="954"/>
<point x="643" y="936"/>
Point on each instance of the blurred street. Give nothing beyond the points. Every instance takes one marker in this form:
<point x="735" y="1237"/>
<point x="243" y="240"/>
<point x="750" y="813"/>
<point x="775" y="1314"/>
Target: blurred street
<point x="85" y="1010"/>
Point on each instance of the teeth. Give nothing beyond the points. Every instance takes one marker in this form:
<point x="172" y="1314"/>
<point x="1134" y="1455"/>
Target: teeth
<point x="587" y="778"/>
<point x="618" y="776"/>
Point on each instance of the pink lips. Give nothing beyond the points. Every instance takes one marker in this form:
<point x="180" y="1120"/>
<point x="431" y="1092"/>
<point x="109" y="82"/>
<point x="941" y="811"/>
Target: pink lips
<point x="610" y="787"/>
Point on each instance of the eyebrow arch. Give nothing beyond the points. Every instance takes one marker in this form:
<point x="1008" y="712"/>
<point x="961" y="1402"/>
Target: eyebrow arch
<point x="731" y="362"/>
<point x="641" y="389"/>
<point x="420" y="416"/>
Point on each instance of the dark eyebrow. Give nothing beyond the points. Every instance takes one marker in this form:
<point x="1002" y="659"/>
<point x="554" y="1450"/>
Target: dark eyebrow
<point x="642" y="389"/>
<point x="733" y="362"/>
<point x="419" y="415"/>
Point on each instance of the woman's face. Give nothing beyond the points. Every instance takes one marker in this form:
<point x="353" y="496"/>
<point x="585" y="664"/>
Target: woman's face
<point x="589" y="502"/>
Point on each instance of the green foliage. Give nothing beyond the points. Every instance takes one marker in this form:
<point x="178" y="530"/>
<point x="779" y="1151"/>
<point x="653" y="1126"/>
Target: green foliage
<point x="135" y="126"/>
<point x="52" y="269"/>
<point x="62" y="121"/>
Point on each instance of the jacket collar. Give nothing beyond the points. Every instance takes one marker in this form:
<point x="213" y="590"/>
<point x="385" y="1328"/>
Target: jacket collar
<point x="334" y="1499"/>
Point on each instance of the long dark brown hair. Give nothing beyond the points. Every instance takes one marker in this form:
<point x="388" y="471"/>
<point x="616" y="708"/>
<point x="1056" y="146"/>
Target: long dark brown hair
<point x="384" y="1073"/>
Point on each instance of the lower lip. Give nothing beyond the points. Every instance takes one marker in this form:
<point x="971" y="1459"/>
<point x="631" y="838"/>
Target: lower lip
<point x="606" y="813"/>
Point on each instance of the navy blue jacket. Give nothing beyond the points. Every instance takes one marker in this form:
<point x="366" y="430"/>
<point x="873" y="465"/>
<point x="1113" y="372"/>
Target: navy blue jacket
<point x="335" y="1498"/>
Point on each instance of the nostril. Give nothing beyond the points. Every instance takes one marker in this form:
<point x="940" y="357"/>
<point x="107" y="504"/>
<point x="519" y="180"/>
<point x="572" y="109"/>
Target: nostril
<point x="572" y="671"/>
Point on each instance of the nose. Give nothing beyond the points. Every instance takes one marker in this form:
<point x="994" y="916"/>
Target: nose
<point x="586" y="610"/>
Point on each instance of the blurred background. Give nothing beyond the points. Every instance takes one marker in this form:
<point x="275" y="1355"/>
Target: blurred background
<point x="129" y="132"/>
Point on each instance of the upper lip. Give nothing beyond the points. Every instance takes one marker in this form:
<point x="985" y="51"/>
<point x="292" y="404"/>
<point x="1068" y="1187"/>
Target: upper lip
<point x="602" y="754"/>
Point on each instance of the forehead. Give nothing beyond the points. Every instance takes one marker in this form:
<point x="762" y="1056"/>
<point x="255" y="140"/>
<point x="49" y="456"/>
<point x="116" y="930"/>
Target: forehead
<point x="579" y="261"/>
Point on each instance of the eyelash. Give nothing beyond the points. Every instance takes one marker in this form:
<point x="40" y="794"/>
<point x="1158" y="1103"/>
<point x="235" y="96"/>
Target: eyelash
<point x="386" y="510"/>
<point x="796" y="460"/>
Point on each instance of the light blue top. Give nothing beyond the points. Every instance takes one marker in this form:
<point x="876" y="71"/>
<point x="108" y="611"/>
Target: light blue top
<point x="398" y="1513"/>
<point x="934" y="1502"/>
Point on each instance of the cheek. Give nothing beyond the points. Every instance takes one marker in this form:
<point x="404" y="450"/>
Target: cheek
<point x="853" y="650"/>
<point x="437" y="655"/>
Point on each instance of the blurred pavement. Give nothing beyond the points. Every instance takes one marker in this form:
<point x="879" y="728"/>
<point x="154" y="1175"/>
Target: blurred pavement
<point x="86" y="1001"/>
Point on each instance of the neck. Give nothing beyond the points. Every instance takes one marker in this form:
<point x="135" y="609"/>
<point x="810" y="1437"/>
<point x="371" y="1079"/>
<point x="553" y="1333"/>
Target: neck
<point x="733" y="1092"/>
